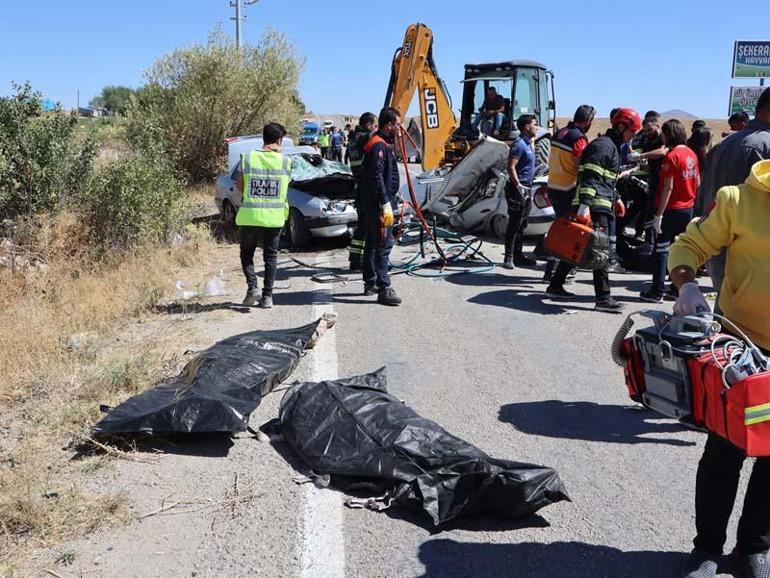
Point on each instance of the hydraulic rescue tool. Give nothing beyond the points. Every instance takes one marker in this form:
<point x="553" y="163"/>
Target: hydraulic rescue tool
<point x="688" y="369"/>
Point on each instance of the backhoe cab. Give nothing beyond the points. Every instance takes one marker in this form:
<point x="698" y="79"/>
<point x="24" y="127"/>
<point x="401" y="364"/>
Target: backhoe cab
<point x="527" y="88"/>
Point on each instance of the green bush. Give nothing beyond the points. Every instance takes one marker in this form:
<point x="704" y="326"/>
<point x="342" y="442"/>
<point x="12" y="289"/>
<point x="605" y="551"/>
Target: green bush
<point x="44" y="161"/>
<point x="198" y="96"/>
<point x="133" y="200"/>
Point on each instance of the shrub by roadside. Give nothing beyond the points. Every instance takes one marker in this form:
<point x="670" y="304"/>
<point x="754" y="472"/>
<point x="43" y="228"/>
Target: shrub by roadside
<point x="132" y="201"/>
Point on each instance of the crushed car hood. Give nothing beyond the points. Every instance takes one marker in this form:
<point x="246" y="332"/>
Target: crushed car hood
<point x="489" y="154"/>
<point x="317" y="176"/>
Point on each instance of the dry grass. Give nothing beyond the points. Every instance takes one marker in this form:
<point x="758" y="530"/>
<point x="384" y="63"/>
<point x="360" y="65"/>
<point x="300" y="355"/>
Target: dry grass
<point x="53" y="382"/>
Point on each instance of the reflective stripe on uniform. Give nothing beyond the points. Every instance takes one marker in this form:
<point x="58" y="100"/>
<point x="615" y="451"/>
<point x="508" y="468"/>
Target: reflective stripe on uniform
<point x="356" y="247"/>
<point x="263" y="205"/>
<point x="757" y="414"/>
<point x="612" y="175"/>
<point x="590" y="191"/>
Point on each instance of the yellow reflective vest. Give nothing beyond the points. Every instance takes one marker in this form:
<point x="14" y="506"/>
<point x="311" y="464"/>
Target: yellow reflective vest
<point x="266" y="177"/>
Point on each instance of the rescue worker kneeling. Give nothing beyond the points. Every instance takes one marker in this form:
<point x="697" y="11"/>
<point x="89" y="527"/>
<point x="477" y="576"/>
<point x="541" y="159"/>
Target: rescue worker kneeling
<point x="378" y="191"/>
<point x="739" y="223"/>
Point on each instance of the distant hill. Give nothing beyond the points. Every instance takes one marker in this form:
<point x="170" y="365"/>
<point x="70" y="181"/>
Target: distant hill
<point x="678" y="113"/>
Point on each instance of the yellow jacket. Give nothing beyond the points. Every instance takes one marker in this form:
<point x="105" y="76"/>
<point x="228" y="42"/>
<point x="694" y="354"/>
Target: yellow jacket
<point x="740" y="221"/>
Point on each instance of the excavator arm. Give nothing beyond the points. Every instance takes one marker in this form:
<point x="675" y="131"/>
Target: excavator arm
<point x="413" y="69"/>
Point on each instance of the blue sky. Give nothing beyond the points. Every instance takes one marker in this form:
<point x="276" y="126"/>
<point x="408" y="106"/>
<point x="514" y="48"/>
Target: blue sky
<point x="654" y="54"/>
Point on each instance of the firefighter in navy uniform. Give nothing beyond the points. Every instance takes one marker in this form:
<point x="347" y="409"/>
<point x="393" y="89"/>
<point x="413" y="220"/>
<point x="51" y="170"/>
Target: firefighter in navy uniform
<point x="379" y="187"/>
<point x="367" y="126"/>
<point x="596" y="200"/>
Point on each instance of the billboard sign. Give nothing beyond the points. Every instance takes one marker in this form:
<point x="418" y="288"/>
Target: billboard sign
<point x="744" y="98"/>
<point x="751" y="59"/>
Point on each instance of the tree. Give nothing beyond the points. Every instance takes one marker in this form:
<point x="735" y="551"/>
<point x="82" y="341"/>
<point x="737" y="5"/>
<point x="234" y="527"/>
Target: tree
<point x="44" y="163"/>
<point x="196" y="97"/>
<point x="114" y="98"/>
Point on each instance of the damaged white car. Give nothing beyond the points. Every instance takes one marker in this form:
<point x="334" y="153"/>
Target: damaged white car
<point x="320" y="193"/>
<point x="471" y="196"/>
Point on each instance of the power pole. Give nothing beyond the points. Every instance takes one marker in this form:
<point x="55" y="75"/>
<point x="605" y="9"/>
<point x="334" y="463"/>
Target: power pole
<point x="238" y="18"/>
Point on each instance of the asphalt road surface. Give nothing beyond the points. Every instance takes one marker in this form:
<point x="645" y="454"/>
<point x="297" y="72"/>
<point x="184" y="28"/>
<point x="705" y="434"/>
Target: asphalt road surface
<point x="485" y="356"/>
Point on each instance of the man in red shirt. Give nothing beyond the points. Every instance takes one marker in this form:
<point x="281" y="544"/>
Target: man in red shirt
<point x="677" y="187"/>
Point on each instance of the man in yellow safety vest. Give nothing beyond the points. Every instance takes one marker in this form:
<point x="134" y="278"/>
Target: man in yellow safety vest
<point x="263" y="178"/>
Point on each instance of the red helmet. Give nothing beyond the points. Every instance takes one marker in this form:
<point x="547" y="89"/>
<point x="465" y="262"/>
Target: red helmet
<point x="628" y="117"/>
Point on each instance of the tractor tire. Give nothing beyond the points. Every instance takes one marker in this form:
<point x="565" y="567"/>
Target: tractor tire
<point x="542" y="151"/>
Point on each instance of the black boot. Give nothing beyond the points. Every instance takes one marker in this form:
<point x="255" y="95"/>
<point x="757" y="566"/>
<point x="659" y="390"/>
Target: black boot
<point x="507" y="261"/>
<point x="519" y="258"/>
<point x="387" y="296"/>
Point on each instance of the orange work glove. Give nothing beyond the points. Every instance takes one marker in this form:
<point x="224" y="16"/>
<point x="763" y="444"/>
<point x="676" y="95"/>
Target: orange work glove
<point x="620" y="208"/>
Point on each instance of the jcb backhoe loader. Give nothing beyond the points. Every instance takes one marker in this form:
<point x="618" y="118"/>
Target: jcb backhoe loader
<point x="526" y="86"/>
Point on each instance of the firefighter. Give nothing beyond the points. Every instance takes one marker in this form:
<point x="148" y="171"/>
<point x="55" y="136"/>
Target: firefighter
<point x="563" y="164"/>
<point x="518" y="193"/>
<point x="367" y="126"/>
<point x="596" y="201"/>
<point x="738" y="225"/>
<point x="263" y="179"/>
<point x="379" y="187"/>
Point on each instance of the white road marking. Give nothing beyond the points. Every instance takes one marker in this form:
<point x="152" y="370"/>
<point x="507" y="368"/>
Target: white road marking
<point x="322" y="544"/>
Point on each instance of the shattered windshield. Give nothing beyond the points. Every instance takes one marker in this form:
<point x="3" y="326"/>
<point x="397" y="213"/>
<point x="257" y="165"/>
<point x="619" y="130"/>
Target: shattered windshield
<point x="305" y="167"/>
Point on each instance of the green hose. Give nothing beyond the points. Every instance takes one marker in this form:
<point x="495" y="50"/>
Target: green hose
<point x="458" y="251"/>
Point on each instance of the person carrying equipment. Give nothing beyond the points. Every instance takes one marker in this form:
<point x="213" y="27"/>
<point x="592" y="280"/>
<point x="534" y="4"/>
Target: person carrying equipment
<point x="563" y="164"/>
<point x="367" y="126"/>
<point x="737" y="224"/>
<point x="379" y="188"/>
<point x="595" y="201"/>
<point x="263" y="179"/>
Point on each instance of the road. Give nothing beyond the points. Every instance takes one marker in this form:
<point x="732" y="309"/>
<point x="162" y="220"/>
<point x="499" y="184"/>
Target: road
<point x="485" y="356"/>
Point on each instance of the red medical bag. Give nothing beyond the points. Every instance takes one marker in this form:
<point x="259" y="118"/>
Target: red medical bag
<point x="740" y="414"/>
<point x="577" y="244"/>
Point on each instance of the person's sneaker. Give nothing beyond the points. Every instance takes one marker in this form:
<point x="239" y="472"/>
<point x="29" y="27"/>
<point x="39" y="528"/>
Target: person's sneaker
<point x="387" y="296"/>
<point x="370" y="289"/>
<point x="754" y="565"/>
<point x="507" y="263"/>
<point x="547" y="276"/>
<point x="558" y="293"/>
<point x="524" y="261"/>
<point x="701" y="565"/>
<point x="251" y="298"/>
<point x="616" y="267"/>
<point x="609" y="305"/>
<point x="266" y="302"/>
<point x="651" y="296"/>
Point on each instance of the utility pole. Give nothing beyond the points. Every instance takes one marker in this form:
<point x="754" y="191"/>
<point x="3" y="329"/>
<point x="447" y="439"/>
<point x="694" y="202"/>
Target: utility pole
<point x="238" y="18"/>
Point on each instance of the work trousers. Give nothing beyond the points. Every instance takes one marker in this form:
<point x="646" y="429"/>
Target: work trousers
<point x="519" y="200"/>
<point x="674" y="223"/>
<point x="715" y="491"/>
<point x="325" y="152"/>
<point x="378" y="242"/>
<point x="269" y="238"/>
<point x="601" y="222"/>
<point x="337" y="154"/>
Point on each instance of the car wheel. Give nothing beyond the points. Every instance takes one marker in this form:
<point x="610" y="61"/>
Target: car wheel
<point x="498" y="225"/>
<point x="299" y="236"/>
<point x="228" y="214"/>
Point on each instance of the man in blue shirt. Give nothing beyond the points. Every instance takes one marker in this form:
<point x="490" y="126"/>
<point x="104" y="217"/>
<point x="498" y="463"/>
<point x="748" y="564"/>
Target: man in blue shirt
<point x="337" y="140"/>
<point x="521" y="171"/>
